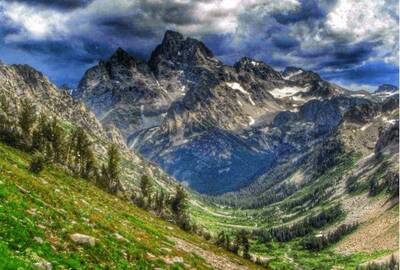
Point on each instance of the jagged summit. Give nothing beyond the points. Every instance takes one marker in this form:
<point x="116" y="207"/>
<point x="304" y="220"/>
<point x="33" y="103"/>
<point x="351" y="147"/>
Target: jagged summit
<point x="175" y="49"/>
<point x="258" y="68"/>
<point x="387" y="88"/>
<point x="171" y="35"/>
<point x="120" y="55"/>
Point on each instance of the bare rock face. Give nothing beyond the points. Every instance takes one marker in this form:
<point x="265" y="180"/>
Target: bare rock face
<point x="388" y="141"/>
<point x="214" y="126"/>
<point x="23" y="82"/>
<point x="83" y="239"/>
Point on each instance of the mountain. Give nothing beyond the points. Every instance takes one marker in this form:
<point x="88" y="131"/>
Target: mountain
<point x="301" y="171"/>
<point x="22" y="82"/>
<point x="202" y="121"/>
<point x="387" y="88"/>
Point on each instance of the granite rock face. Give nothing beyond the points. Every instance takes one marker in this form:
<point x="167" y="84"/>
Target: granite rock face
<point x="214" y="126"/>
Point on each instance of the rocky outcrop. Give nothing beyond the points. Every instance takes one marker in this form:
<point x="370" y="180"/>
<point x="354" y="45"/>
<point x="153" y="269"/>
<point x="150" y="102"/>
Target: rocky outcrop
<point x="215" y="127"/>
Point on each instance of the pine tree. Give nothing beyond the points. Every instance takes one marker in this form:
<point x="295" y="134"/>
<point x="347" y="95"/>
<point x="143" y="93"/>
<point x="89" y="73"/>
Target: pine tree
<point x="56" y="138"/>
<point x="26" y="120"/>
<point x="223" y="240"/>
<point x="8" y="130"/>
<point x="179" y="206"/>
<point x="160" y="201"/>
<point x="83" y="161"/>
<point x="109" y="179"/>
<point x="242" y="241"/>
<point x="179" y="201"/>
<point x="39" y="135"/>
<point x="146" y="186"/>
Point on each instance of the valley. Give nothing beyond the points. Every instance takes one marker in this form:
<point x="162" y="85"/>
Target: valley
<point x="184" y="162"/>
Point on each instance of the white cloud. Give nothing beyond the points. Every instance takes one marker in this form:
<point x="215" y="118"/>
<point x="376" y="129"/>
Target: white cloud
<point x="357" y="86"/>
<point x="34" y="24"/>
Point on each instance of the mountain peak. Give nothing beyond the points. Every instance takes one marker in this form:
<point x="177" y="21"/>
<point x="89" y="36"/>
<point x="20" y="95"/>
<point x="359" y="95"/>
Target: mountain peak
<point x="177" y="49"/>
<point x="258" y="68"/>
<point x="121" y="56"/>
<point x="171" y="35"/>
<point x="387" y="88"/>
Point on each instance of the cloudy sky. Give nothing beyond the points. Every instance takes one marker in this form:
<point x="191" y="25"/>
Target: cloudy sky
<point x="352" y="42"/>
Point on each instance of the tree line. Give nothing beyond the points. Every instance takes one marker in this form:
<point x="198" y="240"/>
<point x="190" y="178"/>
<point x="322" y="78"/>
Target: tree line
<point x="299" y="229"/>
<point x="50" y="144"/>
<point x="319" y="242"/>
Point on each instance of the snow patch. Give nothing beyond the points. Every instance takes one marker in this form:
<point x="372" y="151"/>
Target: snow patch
<point x="287" y="91"/>
<point x="365" y="127"/>
<point x="293" y="74"/>
<point x="390" y="121"/>
<point x="251" y="120"/>
<point x="358" y="95"/>
<point x="237" y="86"/>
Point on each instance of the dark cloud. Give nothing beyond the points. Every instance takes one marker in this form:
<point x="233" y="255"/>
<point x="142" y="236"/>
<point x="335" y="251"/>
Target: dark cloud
<point x="372" y="73"/>
<point x="308" y="10"/>
<point x="169" y="12"/>
<point x="84" y="53"/>
<point x="284" y="42"/>
<point x="264" y="30"/>
<point x="55" y="4"/>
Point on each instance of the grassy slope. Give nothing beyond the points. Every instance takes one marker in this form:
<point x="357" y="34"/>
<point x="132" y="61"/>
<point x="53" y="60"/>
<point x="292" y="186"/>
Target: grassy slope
<point x="53" y="205"/>
<point x="289" y="255"/>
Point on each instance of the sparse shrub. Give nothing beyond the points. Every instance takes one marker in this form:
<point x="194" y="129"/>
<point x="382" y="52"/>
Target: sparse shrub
<point x="38" y="163"/>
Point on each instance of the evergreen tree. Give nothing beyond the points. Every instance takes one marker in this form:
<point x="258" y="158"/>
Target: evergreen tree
<point x="146" y="187"/>
<point x="109" y="179"/>
<point x="373" y="187"/>
<point x="26" y="120"/>
<point x="39" y="135"/>
<point x="160" y="201"/>
<point x="83" y="161"/>
<point x="179" y="206"/>
<point x="242" y="242"/>
<point x="8" y="130"/>
<point x="223" y="240"/>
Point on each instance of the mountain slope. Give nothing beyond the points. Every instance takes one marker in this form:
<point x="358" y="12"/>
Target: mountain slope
<point x="40" y="216"/>
<point x="22" y="82"/>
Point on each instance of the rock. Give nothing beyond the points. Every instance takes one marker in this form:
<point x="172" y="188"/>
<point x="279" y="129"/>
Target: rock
<point x="169" y="260"/>
<point x="150" y="256"/>
<point x="120" y="237"/>
<point x="38" y="239"/>
<point x="31" y="211"/>
<point x="83" y="239"/>
<point x="43" y="265"/>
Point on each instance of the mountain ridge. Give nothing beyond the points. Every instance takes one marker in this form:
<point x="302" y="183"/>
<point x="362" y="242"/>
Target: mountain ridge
<point x="199" y="95"/>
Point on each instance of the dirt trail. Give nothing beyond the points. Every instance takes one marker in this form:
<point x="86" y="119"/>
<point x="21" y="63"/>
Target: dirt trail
<point x="216" y="261"/>
<point x="217" y="214"/>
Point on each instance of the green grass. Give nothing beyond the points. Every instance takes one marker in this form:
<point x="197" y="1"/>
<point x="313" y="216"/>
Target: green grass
<point x="38" y="213"/>
<point x="289" y="255"/>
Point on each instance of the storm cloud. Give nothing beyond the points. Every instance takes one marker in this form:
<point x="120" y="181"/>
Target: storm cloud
<point x="350" y="42"/>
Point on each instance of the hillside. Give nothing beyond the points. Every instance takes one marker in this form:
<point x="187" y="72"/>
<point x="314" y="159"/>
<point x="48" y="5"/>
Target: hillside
<point x="40" y="214"/>
<point x="294" y="172"/>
